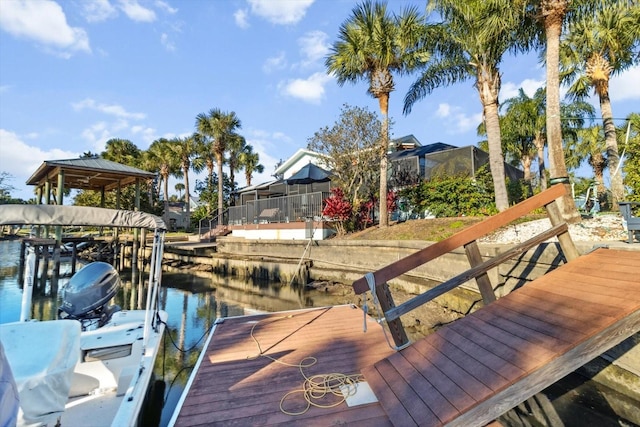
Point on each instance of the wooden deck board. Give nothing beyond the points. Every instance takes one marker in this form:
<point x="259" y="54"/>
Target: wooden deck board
<point x="541" y="331"/>
<point x="234" y="388"/>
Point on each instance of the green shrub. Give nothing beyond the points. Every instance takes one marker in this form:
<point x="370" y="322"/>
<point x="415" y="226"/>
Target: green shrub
<point x="452" y="196"/>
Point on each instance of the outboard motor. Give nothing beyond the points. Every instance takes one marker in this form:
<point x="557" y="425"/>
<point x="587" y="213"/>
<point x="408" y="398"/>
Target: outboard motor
<point x="87" y="294"/>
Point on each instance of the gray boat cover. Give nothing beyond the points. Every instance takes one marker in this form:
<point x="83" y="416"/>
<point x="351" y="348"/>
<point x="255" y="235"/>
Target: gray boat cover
<point x="42" y="356"/>
<point x="78" y="216"/>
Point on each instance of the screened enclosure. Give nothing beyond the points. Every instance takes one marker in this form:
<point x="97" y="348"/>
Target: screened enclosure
<point x="409" y="167"/>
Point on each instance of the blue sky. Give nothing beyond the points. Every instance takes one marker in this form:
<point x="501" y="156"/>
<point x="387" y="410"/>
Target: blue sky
<point x="75" y="73"/>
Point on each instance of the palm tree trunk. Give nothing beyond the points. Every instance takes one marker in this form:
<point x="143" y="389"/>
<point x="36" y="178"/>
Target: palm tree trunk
<point x="187" y="197"/>
<point x="488" y="87"/>
<point x="557" y="165"/>
<point x="383" y="101"/>
<point x="219" y="160"/>
<point x="232" y="178"/>
<point x="526" y="165"/>
<point x="542" y="176"/>
<point x="165" y="178"/>
<point x="617" y="189"/>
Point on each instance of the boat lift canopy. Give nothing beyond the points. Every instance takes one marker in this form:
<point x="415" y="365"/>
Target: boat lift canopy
<point x="77" y="216"/>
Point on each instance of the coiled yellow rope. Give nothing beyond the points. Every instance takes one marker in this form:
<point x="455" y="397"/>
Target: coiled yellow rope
<point x="317" y="388"/>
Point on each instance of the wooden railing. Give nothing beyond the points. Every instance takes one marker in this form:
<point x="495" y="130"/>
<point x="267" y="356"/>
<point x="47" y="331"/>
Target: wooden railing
<point x="467" y="238"/>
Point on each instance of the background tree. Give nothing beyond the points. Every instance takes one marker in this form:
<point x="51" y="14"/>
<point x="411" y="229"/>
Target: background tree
<point x="250" y="163"/>
<point x="590" y="146"/>
<point x="122" y="151"/>
<point x="186" y="150"/>
<point x="596" y="47"/>
<point x="529" y="119"/>
<point x="351" y="152"/>
<point x="161" y="155"/>
<point x="469" y="43"/>
<point x="517" y="142"/>
<point x="204" y="157"/>
<point x="179" y="187"/>
<point x="631" y="132"/>
<point x="372" y="45"/>
<point x="5" y="187"/>
<point x="237" y="144"/>
<point x="220" y="127"/>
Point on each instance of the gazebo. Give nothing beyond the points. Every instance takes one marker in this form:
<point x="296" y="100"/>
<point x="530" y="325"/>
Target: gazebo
<point x="85" y="173"/>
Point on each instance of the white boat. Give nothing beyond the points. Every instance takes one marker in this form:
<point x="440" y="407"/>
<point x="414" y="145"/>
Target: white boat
<point x="92" y="366"/>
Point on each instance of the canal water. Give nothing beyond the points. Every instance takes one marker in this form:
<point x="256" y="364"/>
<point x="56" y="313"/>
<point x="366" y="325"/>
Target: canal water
<point x="194" y="300"/>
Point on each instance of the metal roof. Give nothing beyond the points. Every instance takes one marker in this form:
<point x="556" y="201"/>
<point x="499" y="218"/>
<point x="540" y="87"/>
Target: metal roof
<point x="88" y="173"/>
<point x="421" y="151"/>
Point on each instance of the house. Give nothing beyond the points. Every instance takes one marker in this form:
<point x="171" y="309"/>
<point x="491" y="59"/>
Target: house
<point x="290" y="206"/>
<point x="425" y="162"/>
<point x="178" y="213"/>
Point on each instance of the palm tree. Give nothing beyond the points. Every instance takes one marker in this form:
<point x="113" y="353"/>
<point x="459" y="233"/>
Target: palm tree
<point x="221" y="128"/>
<point x="186" y="149"/>
<point x="530" y="114"/>
<point x="236" y="145"/>
<point x="373" y="45"/>
<point x="122" y="151"/>
<point x="589" y="145"/>
<point x="204" y="159"/>
<point x="552" y="14"/>
<point x="469" y="44"/>
<point x="163" y="159"/>
<point x="179" y="187"/>
<point x="595" y="48"/>
<point x="529" y="121"/>
<point x="250" y="162"/>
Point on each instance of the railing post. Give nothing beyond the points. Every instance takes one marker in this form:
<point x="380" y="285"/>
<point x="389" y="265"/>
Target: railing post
<point x="484" y="283"/>
<point x="566" y="243"/>
<point x="395" y="326"/>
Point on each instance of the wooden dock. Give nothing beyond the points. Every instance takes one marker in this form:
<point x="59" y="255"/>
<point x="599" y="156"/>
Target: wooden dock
<point x="474" y="370"/>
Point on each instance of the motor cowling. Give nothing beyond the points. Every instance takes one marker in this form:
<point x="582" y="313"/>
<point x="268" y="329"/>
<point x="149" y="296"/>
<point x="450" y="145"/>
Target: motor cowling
<point x="87" y="294"/>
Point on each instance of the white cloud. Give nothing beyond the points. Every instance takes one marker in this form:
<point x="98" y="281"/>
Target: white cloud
<point x="313" y="47"/>
<point x="455" y="120"/>
<point x="136" y="12"/>
<point x="510" y="90"/>
<point x="44" y="22"/>
<point x="309" y="90"/>
<point x="147" y="134"/>
<point x="168" y="44"/>
<point x="97" y="135"/>
<point x="113" y="110"/>
<point x="625" y="86"/>
<point x="263" y="143"/>
<point x="241" y="18"/>
<point x="98" y="10"/>
<point x="275" y="63"/>
<point x="163" y="5"/>
<point x="282" y="12"/>
<point x="20" y="160"/>
<point x="443" y="110"/>
<point x="5" y="88"/>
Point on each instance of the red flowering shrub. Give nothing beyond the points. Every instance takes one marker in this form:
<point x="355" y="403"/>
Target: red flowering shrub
<point x="338" y="209"/>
